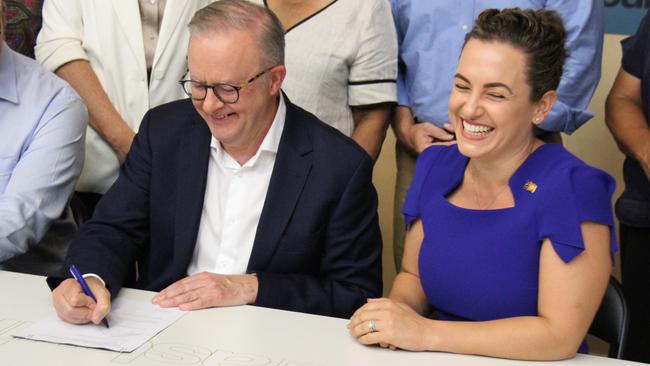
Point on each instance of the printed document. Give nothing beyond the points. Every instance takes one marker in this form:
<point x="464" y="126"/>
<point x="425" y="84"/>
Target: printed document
<point x="132" y="323"/>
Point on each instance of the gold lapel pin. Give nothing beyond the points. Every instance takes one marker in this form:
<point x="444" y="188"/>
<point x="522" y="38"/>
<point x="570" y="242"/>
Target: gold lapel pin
<point x="530" y="186"/>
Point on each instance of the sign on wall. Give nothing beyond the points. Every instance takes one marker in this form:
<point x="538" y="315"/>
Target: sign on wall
<point x="624" y="16"/>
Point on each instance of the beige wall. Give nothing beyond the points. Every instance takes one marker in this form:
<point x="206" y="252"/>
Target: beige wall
<point x="592" y="143"/>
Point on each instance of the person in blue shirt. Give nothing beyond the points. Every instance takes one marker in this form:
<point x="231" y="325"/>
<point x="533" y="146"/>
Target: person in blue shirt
<point x="42" y="129"/>
<point x="514" y="247"/>
<point x="627" y="116"/>
<point x="430" y="36"/>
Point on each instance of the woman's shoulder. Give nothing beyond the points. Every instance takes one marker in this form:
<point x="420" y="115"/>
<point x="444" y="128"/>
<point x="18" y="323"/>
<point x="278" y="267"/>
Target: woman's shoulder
<point x="569" y="192"/>
<point x="436" y="162"/>
<point x="555" y="166"/>
<point x="566" y="185"/>
<point x="441" y="156"/>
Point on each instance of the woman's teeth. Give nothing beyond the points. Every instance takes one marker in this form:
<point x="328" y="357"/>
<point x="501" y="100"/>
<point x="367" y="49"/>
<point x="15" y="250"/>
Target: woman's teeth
<point x="476" y="130"/>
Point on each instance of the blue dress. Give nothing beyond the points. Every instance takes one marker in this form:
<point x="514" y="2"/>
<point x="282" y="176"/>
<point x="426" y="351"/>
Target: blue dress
<point x="480" y="265"/>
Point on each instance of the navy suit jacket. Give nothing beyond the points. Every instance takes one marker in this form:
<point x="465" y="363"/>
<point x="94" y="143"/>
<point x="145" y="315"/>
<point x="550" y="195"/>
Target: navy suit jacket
<point x="317" y="247"/>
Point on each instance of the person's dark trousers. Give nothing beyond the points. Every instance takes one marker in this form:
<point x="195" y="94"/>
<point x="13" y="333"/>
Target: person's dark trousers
<point x="635" y="270"/>
<point x="89" y="200"/>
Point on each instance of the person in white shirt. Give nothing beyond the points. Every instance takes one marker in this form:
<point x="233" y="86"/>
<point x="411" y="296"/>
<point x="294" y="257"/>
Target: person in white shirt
<point x="123" y="57"/>
<point x="341" y="59"/>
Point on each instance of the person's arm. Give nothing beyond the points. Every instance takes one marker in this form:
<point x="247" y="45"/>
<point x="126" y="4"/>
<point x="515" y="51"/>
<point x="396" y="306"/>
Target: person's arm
<point x="109" y="244"/>
<point x="569" y="295"/>
<point x="584" y="23"/>
<point x="414" y="137"/>
<point x="104" y="118"/>
<point x="60" y="49"/>
<point x="44" y="176"/>
<point x="372" y="74"/>
<point x="406" y="296"/>
<point x="370" y="126"/>
<point x="625" y="119"/>
<point x="407" y="287"/>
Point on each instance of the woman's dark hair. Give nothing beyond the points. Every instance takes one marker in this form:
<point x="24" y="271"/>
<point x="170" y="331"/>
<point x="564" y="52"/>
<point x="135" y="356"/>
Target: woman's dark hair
<point x="539" y="34"/>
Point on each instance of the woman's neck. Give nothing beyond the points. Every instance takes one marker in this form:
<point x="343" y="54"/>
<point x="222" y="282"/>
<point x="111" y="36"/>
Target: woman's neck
<point x="496" y="172"/>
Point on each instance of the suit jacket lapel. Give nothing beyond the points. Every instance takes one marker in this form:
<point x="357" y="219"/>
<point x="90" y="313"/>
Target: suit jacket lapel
<point x="292" y="167"/>
<point x="128" y="15"/>
<point x="193" y="159"/>
<point x="171" y="20"/>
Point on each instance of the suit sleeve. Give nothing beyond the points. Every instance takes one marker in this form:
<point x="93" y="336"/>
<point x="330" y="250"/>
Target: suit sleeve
<point x="350" y="267"/>
<point x="109" y="244"/>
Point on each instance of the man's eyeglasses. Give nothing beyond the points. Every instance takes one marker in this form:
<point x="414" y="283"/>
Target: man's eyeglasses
<point x="227" y="93"/>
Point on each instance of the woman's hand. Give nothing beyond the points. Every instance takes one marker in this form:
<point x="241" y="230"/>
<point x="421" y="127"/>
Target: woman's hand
<point x="396" y="325"/>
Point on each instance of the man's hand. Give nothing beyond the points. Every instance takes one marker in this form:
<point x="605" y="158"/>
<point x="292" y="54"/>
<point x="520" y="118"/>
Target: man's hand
<point x="424" y="134"/>
<point x="416" y="137"/>
<point x="73" y="306"/>
<point x="205" y="290"/>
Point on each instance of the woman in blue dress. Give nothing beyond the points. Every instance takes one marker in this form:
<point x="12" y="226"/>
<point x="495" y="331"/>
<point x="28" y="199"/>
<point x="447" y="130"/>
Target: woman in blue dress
<point x="509" y="239"/>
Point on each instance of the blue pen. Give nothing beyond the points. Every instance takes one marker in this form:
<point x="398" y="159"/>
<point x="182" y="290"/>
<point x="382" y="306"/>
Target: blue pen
<point x="84" y="286"/>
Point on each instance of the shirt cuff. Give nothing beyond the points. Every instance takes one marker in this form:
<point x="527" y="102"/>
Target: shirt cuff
<point x="55" y="58"/>
<point x="565" y="119"/>
<point x="95" y="276"/>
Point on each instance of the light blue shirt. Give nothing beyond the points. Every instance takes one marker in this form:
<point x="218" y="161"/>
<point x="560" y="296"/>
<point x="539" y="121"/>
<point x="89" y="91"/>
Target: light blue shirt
<point x="42" y="130"/>
<point x="431" y="33"/>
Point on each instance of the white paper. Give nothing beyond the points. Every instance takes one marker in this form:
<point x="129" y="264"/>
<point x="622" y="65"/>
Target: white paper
<point x="132" y="323"/>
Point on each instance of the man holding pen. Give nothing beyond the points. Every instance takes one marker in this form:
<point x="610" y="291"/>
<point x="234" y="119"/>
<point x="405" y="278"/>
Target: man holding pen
<point x="235" y="196"/>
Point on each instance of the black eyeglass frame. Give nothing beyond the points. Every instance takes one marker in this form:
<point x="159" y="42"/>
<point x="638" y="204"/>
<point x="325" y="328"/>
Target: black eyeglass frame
<point x="215" y="87"/>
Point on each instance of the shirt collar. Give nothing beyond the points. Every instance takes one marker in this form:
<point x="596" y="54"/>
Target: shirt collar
<point x="8" y="77"/>
<point x="271" y="141"/>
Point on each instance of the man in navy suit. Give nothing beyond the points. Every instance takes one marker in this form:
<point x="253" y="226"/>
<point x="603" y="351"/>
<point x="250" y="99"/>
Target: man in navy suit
<point x="234" y="196"/>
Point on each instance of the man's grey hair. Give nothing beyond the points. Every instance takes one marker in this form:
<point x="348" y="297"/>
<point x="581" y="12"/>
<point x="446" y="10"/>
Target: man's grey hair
<point x="226" y="15"/>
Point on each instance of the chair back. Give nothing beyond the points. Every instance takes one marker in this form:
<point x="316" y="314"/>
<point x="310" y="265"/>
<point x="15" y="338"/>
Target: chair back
<point x="612" y="320"/>
<point x="79" y="211"/>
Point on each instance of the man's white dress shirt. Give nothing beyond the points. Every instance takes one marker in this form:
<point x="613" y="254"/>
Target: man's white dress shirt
<point x="234" y="197"/>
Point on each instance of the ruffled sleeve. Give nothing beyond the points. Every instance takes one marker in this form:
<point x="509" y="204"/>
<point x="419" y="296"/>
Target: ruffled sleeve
<point x="580" y="193"/>
<point x="423" y="166"/>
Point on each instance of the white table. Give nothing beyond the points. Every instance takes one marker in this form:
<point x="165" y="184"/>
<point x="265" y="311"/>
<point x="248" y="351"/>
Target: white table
<point x="236" y="336"/>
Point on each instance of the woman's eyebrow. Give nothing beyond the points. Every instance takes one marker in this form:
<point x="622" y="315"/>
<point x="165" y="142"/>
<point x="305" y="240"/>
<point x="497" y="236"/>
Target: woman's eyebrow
<point x="498" y="85"/>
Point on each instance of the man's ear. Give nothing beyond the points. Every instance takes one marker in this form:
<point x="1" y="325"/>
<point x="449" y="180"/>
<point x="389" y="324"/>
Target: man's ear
<point x="276" y="77"/>
<point x="543" y="106"/>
